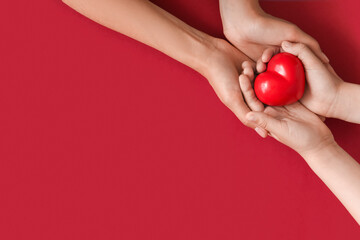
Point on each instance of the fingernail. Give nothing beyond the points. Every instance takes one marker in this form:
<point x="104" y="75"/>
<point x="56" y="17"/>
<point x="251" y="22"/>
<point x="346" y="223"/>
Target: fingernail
<point x="287" y="44"/>
<point x="251" y="117"/>
<point x="325" y="57"/>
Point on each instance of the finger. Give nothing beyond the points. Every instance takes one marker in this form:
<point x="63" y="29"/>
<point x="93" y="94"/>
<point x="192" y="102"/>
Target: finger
<point x="302" y="52"/>
<point x="313" y="45"/>
<point x="260" y="66"/>
<point x="247" y="64"/>
<point x="262" y="132"/>
<point x="253" y="50"/>
<point x="249" y="73"/>
<point x="248" y="70"/>
<point x="264" y="121"/>
<point x="240" y="111"/>
<point x="297" y="35"/>
<point x="237" y="105"/>
<point x="249" y="94"/>
<point x="268" y="54"/>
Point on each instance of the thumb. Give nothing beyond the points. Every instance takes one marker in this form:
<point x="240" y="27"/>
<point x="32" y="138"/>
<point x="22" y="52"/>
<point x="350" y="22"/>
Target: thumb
<point x="304" y="53"/>
<point x="264" y="121"/>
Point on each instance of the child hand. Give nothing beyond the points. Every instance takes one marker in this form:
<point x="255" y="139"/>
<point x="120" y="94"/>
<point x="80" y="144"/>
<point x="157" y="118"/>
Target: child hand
<point x="323" y="84"/>
<point x="293" y="125"/>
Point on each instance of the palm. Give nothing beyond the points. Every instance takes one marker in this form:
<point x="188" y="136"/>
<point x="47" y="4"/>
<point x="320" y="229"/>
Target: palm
<point x="223" y="75"/>
<point x="297" y="127"/>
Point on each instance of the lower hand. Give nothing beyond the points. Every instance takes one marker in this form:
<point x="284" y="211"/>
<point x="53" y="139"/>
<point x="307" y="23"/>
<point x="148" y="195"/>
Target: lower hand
<point x="222" y="71"/>
<point x="295" y="126"/>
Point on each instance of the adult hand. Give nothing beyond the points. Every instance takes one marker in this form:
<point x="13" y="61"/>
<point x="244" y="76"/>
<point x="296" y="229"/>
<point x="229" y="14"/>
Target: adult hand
<point x="252" y="30"/>
<point x="214" y="58"/>
<point x="222" y="71"/>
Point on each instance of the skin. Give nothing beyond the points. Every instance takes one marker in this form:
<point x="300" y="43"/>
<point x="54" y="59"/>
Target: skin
<point x="304" y="131"/>
<point x="214" y="58"/>
<point x="252" y="30"/>
<point x="326" y="94"/>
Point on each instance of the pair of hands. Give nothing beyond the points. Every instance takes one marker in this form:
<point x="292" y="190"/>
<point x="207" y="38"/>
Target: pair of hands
<point x="298" y="125"/>
<point x="259" y="36"/>
<point x="250" y="31"/>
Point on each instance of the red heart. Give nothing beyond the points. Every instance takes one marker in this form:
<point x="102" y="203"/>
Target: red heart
<point x="283" y="82"/>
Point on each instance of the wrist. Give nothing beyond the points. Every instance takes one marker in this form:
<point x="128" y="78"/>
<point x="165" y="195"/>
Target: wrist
<point x="337" y="108"/>
<point x="201" y="54"/>
<point x="195" y="48"/>
<point x="319" y="154"/>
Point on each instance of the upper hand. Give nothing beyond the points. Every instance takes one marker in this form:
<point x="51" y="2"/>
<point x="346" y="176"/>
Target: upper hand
<point x="252" y="30"/>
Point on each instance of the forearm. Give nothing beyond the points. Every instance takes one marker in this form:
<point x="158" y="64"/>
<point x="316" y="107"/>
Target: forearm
<point x="347" y="104"/>
<point x="341" y="173"/>
<point x="149" y="24"/>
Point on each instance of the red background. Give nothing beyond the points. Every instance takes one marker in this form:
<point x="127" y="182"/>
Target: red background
<point x="103" y="137"/>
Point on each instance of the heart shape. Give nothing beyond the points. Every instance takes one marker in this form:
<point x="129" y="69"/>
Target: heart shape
<point x="283" y="82"/>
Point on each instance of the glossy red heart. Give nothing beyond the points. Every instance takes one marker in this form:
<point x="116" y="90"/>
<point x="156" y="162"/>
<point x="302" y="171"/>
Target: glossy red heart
<point x="283" y="82"/>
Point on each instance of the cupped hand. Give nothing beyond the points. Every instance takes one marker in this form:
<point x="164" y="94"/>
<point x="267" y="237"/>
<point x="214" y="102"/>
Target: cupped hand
<point x="222" y="71"/>
<point x="252" y="30"/>
<point x="322" y="83"/>
<point x="293" y="125"/>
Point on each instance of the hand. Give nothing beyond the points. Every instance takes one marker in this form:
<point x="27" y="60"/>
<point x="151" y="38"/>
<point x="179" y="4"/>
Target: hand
<point x="295" y="126"/>
<point x="323" y="84"/>
<point x="222" y="71"/>
<point x="252" y="30"/>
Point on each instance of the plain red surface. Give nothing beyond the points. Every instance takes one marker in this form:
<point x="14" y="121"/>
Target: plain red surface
<point x="105" y="138"/>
